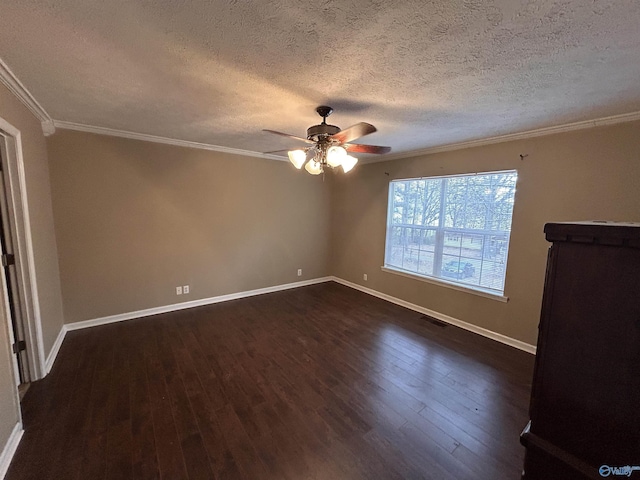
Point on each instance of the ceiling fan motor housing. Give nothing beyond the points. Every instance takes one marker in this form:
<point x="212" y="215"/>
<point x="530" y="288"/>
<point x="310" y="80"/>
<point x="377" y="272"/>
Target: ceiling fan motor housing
<point x="323" y="130"/>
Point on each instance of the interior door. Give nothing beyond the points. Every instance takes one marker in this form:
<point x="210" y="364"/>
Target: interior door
<point x="11" y="279"/>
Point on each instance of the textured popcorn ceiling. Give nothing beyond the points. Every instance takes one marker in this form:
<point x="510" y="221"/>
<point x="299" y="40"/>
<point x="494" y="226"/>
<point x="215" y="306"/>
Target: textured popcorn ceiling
<point x="426" y="73"/>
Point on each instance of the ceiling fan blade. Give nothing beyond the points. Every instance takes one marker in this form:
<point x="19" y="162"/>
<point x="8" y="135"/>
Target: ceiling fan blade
<point x="356" y="148"/>
<point x="278" y="151"/>
<point x="290" y="136"/>
<point x="354" y="131"/>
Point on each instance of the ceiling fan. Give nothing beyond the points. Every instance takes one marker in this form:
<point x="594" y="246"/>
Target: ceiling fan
<point x="330" y="146"/>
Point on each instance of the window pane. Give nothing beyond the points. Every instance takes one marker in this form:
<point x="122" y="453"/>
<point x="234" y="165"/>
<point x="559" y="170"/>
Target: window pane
<point x="492" y="275"/>
<point x="472" y="245"/>
<point x="452" y="243"/>
<point x="394" y="247"/>
<point x="427" y="245"/>
<point x="456" y="228"/>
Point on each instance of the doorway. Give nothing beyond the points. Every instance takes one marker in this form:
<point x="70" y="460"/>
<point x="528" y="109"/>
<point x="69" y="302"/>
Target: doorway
<point x="19" y="294"/>
<point x="12" y="288"/>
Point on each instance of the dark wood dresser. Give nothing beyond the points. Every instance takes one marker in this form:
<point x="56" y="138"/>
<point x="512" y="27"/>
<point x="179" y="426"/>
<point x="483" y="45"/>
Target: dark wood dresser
<point x="585" y="399"/>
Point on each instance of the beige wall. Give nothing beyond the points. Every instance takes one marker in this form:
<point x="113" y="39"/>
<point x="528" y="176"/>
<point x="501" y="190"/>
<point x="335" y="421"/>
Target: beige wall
<point x="44" y="247"/>
<point x="9" y="412"/>
<point x="584" y="175"/>
<point x="136" y="219"/>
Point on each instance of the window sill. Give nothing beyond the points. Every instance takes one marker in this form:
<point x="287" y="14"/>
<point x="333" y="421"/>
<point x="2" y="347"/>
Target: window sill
<point x="444" y="283"/>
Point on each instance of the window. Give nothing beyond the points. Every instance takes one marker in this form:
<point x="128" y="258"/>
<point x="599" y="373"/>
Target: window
<point x="454" y="228"/>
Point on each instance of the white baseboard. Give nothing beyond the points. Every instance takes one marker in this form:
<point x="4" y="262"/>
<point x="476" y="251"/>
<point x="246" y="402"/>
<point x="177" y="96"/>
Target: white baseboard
<point x="195" y="303"/>
<point x="51" y="358"/>
<point x="10" y="449"/>
<point x="441" y="316"/>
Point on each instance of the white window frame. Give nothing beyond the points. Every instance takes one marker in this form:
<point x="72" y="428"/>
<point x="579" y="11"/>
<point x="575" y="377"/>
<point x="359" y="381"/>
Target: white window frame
<point x="439" y="230"/>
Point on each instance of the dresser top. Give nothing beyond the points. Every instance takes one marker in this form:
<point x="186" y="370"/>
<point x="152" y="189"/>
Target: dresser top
<point x="597" y="232"/>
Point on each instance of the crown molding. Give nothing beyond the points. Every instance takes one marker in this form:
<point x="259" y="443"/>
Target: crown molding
<point x="539" y="132"/>
<point x="15" y="86"/>
<point x="157" y="139"/>
<point x="611" y="120"/>
<point x="48" y="127"/>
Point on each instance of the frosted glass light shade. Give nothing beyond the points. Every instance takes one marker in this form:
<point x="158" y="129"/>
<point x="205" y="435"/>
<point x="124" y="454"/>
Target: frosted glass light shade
<point x="313" y="167"/>
<point x="297" y="157"/>
<point x="348" y="163"/>
<point x="335" y="156"/>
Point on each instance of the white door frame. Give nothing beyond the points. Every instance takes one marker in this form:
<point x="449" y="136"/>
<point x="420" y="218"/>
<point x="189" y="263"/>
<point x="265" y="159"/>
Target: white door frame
<point x="11" y="140"/>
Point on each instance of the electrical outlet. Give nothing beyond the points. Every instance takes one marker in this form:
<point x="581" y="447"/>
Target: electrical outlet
<point x="178" y="290"/>
<point x="185" y="289"/>
<point x="365" y="277"/>
<point x="299" y="272"/>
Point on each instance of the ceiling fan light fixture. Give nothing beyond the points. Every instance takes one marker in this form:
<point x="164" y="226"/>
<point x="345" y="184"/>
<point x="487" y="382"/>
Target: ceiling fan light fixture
<point x="313" y="167"/>
<point x="297" y="157"/>
<point x="335" y="156"/>
<point x="348" y="163"/>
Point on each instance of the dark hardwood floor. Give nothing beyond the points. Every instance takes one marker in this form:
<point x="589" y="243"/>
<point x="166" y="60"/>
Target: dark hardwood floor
<point x="320" y="382"/>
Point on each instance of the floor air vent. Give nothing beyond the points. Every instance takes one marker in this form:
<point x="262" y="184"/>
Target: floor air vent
<point x="435" y="322"/>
